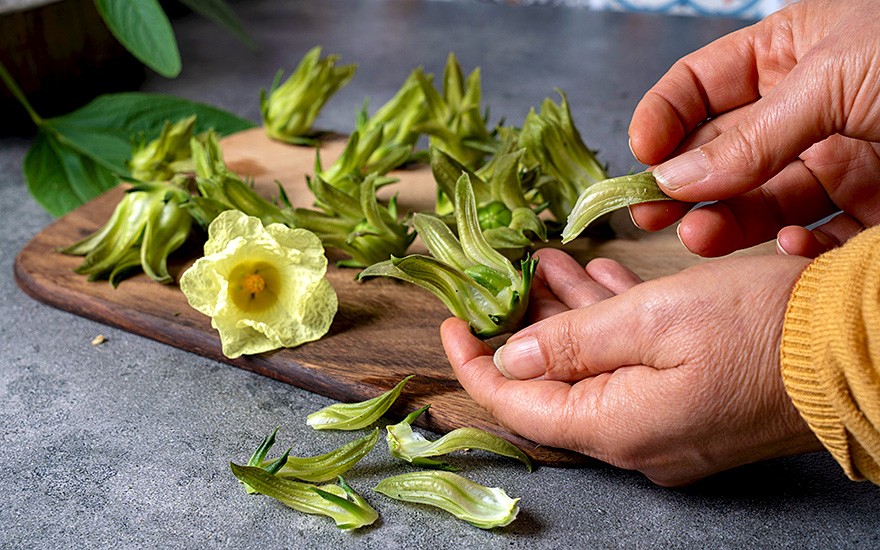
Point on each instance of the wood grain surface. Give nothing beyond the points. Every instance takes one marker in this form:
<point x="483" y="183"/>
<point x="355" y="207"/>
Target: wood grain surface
<point x="384" y="329"/>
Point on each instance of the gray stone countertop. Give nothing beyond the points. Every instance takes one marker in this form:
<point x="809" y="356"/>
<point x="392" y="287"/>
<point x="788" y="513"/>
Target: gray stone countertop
<point x="127" y="444"/>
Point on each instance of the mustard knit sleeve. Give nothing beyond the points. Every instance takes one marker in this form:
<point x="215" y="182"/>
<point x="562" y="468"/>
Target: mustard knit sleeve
<point x="830" y="352"/>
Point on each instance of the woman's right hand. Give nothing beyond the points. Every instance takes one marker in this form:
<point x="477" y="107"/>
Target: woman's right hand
<point x="778" y="122"/>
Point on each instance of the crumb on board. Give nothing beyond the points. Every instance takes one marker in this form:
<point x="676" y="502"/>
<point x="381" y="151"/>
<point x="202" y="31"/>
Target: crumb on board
<point x="98" y="340"/>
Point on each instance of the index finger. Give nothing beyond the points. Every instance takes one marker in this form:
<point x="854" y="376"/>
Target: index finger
<point x="716" y="78"/>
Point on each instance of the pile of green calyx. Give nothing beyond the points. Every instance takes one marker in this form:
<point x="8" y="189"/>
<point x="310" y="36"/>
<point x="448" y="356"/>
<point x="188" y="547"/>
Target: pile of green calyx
<point x="501" y="190"/>
<point x="292" y="480"/>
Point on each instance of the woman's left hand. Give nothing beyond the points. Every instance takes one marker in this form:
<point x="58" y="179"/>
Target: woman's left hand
<point x="677" y="377"/>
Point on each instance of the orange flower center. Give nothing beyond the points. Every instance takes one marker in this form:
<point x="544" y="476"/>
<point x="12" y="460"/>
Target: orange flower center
<point x="255" y="286"/>
<point x="254" y="283"/>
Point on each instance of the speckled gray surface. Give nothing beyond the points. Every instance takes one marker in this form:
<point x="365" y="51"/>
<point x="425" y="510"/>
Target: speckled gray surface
<point x="127" y="444"/>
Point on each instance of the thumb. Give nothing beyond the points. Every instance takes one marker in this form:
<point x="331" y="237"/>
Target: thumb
<point x="576" y="344"/>
<point x="772" y="133"/>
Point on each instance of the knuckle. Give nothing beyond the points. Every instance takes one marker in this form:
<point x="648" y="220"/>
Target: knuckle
<point x="563" y="353"/>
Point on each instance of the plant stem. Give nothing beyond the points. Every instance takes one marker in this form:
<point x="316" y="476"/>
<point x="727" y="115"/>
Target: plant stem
<point x="19" y="95"/>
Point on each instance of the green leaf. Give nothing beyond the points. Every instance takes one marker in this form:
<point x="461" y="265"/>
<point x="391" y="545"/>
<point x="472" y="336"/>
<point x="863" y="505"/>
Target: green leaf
<point x="128" y="113"/>
<point x="143" y="28"/>
<point x="220" y="13"/>
<point x="60" y="179"/>
<point x="77" y="156"/>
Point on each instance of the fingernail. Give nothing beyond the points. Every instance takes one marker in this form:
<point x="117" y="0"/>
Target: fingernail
<point x="629" y="142"/>
<point x="629" y="209"/>
<point x="678" y="234"/>
<point x="685" y="169"/>
<point x="520" y="359"/>
<point x="780" y="250"/>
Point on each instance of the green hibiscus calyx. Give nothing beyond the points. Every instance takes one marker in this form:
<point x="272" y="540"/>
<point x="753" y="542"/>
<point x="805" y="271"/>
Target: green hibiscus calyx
<point x="147" y="225"/>
<point x="476" y="282"/>
<point x="221" y="189"/>
<point x="567" y="165"/>
<point x="356" y="223"/>
<point x="398" y="118"/>
<point x="289" y="110"/>
<point x="166" y="156"/>
<point x="454" y="121"/>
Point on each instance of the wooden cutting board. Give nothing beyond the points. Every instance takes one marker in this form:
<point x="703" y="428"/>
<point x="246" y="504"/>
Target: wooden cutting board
<point x="384" y="329"/>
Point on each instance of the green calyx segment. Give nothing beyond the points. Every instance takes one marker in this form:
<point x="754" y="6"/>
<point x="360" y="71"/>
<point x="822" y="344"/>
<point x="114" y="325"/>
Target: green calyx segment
<point x="222" y="189"/>
<point x="567" y="165"/>
<point x="355" y="223"/>
<point x="347" y="508"/>
<point x="476" y="283"/>
<point x="405" y="444"/>
<point x="355" y="163"/>
<point x="314" y="468"/>
<point x="147" y="225"/>
<point x="397" y="118"/>
<point x="481" y="506"/>
<point x="289" y="109"/>
<point x="329" y="465"/>
<point x="508" y="222"/>
<point x="354" y="416"/>
<point x="464" y="297"/>
<point x="608" y="195"/>
<point x="454" y="121"/>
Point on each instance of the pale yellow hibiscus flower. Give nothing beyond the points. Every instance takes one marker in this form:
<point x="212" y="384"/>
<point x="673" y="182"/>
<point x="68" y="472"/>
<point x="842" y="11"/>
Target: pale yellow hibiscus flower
<point x="264" y="288"/>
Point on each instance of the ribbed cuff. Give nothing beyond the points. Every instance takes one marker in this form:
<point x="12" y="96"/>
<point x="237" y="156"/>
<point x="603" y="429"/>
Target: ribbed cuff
<point x="800" y="353"/>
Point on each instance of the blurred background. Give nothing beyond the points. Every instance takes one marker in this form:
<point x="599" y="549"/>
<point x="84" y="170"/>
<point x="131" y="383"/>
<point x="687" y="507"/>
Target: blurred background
<point x="62" y="55"/>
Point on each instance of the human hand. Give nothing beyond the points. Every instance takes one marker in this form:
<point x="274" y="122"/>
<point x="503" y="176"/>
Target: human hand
<point x="780" y="122"/>
<point x="677" y="378"/>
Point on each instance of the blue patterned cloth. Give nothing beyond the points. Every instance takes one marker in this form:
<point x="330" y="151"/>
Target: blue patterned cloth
<point x="751" y="9"/>
<point x="746" y="9"/>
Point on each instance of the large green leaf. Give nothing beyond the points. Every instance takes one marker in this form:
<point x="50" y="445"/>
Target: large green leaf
<point x="76" y="157"/>
<point x="222" y="15"/>
<point x="60" y="179"/>
<point x="143" y="28"/>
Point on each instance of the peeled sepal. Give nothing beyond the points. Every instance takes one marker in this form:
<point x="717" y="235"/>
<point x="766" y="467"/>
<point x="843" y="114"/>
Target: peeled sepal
<point x="329" y="465"/>
<point x="354" y="416"/>
<point x="405" y="444"/>
<point x="608" y="195"/>
<point x="348" y="509"/>
<point x="481" y="506"/>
